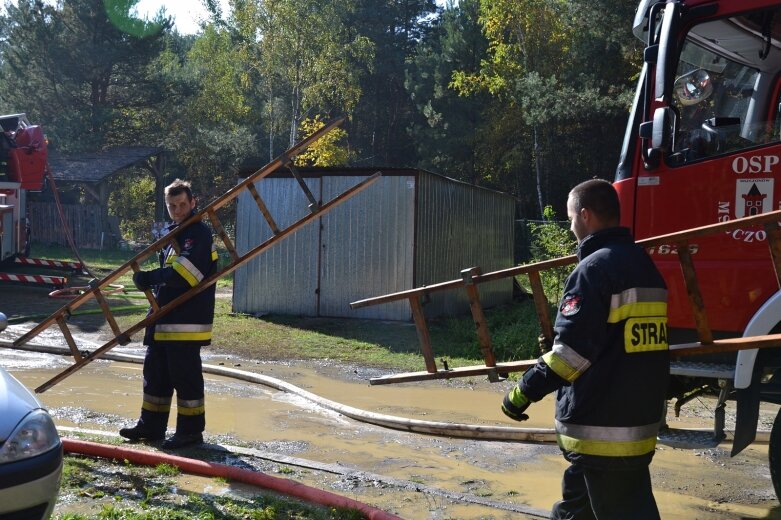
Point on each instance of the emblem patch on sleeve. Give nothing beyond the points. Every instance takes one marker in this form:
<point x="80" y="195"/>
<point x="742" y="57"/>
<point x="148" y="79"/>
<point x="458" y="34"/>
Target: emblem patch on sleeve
<point x="188" y="244"/>
<point x="571" y="304"/>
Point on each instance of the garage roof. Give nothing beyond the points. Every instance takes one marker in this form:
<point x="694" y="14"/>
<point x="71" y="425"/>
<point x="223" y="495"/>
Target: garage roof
<point x="94" y="167"/>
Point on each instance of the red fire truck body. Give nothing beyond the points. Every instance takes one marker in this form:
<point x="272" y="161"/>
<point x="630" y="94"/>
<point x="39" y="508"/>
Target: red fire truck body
<point x="23" y="167"/>
<point x="703" y="145"/>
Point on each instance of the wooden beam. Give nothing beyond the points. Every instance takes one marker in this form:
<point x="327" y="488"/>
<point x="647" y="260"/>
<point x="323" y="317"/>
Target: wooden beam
<point x="479" y="370"/>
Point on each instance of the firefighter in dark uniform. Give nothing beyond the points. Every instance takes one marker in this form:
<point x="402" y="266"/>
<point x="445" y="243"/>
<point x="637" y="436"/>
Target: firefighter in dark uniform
<point x="609" y="364"/>
<point x="173" y="358"/>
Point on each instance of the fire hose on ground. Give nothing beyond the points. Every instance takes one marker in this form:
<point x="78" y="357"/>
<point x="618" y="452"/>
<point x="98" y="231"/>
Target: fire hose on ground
<point x="232" y="473"/>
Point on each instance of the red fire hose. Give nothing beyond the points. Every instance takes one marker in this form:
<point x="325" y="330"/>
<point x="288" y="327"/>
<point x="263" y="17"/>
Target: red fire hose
<point x="212" y="469"/>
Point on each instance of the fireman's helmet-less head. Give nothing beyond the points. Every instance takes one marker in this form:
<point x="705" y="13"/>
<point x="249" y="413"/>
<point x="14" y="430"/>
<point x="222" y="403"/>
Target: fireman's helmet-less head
<point x="693" y="87"/>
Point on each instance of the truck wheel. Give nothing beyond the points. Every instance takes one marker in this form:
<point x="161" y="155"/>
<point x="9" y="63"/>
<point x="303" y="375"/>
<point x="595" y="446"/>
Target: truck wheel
<point x="774" y="454"/>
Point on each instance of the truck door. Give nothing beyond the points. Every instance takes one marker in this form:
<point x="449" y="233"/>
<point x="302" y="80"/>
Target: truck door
<point x="719" y="158"/>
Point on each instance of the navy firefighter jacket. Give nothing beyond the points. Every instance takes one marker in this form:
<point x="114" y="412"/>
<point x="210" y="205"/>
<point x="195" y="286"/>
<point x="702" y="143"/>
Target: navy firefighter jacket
<point x="609" y="362"/>
<point x="191" y="322"/>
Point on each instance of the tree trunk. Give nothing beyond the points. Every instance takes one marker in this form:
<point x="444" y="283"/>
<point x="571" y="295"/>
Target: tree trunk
<point x="539" y="173"/>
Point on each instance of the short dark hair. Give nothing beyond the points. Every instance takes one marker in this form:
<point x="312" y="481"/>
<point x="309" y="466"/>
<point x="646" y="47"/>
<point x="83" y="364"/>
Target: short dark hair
<point x="598" y="196"/>
<point x="178" y="187"/>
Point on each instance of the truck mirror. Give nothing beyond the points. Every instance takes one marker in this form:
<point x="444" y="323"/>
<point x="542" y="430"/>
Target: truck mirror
<point x="662" y="130"/>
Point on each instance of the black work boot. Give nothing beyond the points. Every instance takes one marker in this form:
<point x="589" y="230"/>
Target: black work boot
<point x="180" y="440"/>
<point x="139" y="432"/>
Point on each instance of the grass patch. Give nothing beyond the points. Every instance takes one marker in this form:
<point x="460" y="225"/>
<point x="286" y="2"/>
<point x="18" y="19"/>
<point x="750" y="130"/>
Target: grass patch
<point x="127" y="492"/>
<point x="513" y="329"/>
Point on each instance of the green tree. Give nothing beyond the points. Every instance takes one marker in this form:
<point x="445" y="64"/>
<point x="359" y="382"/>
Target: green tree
<point x="304" y="60"/>
<point x="80" y="68"/>
<point x="539" y="66"/>
<point x="380" y="123"/>
<point x="446" y="131"/>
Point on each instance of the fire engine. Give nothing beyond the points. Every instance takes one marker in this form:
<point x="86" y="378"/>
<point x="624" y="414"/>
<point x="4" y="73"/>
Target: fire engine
<point x="703" y="145"/>
<point x="23" y="169"/>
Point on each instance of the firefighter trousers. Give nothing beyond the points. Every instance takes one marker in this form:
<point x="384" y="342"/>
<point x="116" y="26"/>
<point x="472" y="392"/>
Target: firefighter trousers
<point x="601" y="494"/>
<point x="169" y="367"/>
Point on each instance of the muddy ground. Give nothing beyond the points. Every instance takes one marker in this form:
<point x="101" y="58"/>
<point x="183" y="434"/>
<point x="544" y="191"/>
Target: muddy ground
<point x="412" y="475"/>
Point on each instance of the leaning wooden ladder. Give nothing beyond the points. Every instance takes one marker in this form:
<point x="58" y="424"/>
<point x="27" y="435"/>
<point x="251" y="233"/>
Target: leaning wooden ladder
<point x="471" y="278"/>
<point x="122" y="337"/>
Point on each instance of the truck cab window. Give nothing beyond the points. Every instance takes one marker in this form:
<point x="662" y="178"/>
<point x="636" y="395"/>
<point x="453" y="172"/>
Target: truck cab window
<point x="723" y="88"/>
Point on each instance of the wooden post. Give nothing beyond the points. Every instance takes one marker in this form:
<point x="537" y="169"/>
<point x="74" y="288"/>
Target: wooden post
<point x="695" y="296"/>
<point x="423" y="336"/>
<point x="481" y="324"/>
<point x="541" y="305"/>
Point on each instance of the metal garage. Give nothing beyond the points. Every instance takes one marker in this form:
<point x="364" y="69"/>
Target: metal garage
<point x="410" y="228"/>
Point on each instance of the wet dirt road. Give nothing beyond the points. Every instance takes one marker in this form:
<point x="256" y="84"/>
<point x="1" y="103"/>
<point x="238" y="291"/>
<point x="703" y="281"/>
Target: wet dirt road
<point x="689" y="484"/>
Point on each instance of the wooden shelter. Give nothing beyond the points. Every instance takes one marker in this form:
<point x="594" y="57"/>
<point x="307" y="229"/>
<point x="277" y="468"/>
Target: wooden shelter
<point x="90" y="223"/>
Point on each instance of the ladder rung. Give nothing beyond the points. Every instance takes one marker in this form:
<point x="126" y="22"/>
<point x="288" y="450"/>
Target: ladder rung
<point x="107" y="312"/>
<point x="695" y="295"/>
<point x="147" y="292"/>
<point x="217" y="225"/>
<point x="774" y="244"/>
<point x="69" y="338"/>
<point x="314" y="206"/>
<point x="263" y="209"/>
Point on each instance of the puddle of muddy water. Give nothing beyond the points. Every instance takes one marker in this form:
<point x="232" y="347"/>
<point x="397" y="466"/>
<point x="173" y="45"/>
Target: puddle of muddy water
<point x="106" y="395"/>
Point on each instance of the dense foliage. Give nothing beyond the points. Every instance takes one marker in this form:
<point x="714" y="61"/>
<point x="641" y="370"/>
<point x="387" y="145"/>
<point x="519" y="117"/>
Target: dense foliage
<point x="525" y="96"/>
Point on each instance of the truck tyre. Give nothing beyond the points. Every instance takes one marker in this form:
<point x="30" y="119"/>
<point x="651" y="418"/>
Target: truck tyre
<point x="774" y="454"/>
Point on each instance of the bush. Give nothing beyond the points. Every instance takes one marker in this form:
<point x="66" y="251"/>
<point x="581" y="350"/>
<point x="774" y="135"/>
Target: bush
<point x="550" y="240"/>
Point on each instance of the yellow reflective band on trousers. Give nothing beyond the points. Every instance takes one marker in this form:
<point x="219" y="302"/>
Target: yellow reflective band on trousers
<point x="607" y="441"/>
<point x="190" y="407"/>
<point x="567" y="363"/>
<point x="187" y="270"/>
<point x="637" y="303"/>
<point x="215" y="256"/>
<point x="152" y="403"/>
<point x="182" y="332"/>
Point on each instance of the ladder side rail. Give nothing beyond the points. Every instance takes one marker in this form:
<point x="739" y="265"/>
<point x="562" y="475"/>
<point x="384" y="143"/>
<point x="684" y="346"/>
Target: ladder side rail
<point x="276" y="164"/>
<point x="773" y="216"/>
<point x="212" y="279"/>
<point x="455" y="284"/>
<point x="726" y="345"/>
<point x="695" y="295"/>
<point x="169" y="237"/>
<point x="67" y="309"/>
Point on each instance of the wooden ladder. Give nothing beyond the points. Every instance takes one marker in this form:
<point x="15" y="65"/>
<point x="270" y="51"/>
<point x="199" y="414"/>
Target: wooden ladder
<point x="122" y="337"/>
<point x="471" y="278"/>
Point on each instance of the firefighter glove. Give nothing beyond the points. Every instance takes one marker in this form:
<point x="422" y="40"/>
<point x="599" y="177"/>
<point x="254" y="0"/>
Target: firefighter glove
<point x="514" y="404"/>
<point x="545" y="343"/>
<point x="144" y="280"/>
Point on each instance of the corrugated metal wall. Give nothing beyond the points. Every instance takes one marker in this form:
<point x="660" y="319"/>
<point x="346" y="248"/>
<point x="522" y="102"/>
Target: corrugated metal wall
<point x="408" y="229"/>
<point x="367" y="247"/>
<point x="461" y="226"/>
<point x="282" y="280"/>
